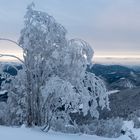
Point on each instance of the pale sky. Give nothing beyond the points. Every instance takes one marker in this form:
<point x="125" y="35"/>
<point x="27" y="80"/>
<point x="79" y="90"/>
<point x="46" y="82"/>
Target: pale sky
<point x="111" y="27"/>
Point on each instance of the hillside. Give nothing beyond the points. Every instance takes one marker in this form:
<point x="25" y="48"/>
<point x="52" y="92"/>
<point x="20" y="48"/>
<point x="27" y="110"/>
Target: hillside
<point x="116" y="76"/>
<point x="123" y="103"/>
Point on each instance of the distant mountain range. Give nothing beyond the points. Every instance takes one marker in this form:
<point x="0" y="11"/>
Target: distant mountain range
<point x="116" y="76"/>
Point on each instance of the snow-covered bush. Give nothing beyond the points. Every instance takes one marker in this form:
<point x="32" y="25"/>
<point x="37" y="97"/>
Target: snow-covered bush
<point x="136" y="121"/>
<point x="135" y="117"/>
<point x="61" y="126"/>
<point x="134" y="114"/>
<point x="108" y="128"/>
<point x="131" y="135"/>
<point x="16" y="102"/>
<point x="3" y="113"/>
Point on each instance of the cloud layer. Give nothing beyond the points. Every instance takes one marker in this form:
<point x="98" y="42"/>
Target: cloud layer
<point x="111" y="27"/>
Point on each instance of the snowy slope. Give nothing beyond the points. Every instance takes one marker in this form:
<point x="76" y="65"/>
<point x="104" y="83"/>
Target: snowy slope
<point x="8" y="133"/>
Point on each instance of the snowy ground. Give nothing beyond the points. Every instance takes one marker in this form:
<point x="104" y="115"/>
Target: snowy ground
<point x="8" y="133"/>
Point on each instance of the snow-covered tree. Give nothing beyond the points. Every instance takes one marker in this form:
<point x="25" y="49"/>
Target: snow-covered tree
<point x="55" y="77"/>
<point x="39" y="39"/>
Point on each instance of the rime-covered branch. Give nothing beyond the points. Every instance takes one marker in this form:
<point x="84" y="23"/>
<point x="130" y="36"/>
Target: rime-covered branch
<point x="13" y="56"/>
<point x="9" y="40"/>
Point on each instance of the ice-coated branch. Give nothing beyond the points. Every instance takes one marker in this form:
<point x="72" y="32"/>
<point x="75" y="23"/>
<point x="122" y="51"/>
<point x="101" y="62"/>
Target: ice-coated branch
<point x="13" y="56"/>
<point x="9" y="55"/>
<point x="9" y="40"/>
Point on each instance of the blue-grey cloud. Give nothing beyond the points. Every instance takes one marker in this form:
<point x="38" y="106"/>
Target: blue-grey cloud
<point x="109" y="26"/>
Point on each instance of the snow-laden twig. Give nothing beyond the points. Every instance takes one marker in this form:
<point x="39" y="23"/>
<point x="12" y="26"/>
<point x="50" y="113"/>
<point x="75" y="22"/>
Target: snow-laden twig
<point x="9" y="40"/>
<point x="13" y="56"/>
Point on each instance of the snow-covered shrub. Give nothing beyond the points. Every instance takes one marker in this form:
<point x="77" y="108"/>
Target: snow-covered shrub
<point x="3" y="113"/>
<point x="134" y="114"/>
<point x="107" y="128"/>
<point x="136" y="122"/>
<point x="131" y="135"/>
<point x="135" y="117"/>
<point x="16" y="102"/>
<point x="61" y="126"/>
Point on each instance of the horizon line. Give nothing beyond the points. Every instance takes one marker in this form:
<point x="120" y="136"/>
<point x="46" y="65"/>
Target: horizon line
<point x="103" y="57"/>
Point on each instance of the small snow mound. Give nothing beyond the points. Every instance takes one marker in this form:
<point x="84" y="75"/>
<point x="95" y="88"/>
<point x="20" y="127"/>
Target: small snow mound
<point x="23" y="126"/>
<point x="113" y="91"/>
<point x="3" y="92"/>
<point x="128" y="124"/>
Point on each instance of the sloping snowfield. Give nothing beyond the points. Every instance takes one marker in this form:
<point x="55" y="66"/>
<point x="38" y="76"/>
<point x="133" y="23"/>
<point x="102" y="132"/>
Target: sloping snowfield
<point x="9" y="133"/>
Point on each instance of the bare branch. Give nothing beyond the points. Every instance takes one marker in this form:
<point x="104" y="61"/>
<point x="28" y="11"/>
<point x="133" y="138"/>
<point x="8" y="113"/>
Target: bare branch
<point x="8" y="55"/>
<point x="13" y="56"/>
<point x="10" y="41"/>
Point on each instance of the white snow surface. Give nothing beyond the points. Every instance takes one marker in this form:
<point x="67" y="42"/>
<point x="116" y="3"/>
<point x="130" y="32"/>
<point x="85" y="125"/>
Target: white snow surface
<point x="3" y="92"/>
<point x="113" y="91"/>
<point x="11" y="133"/>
